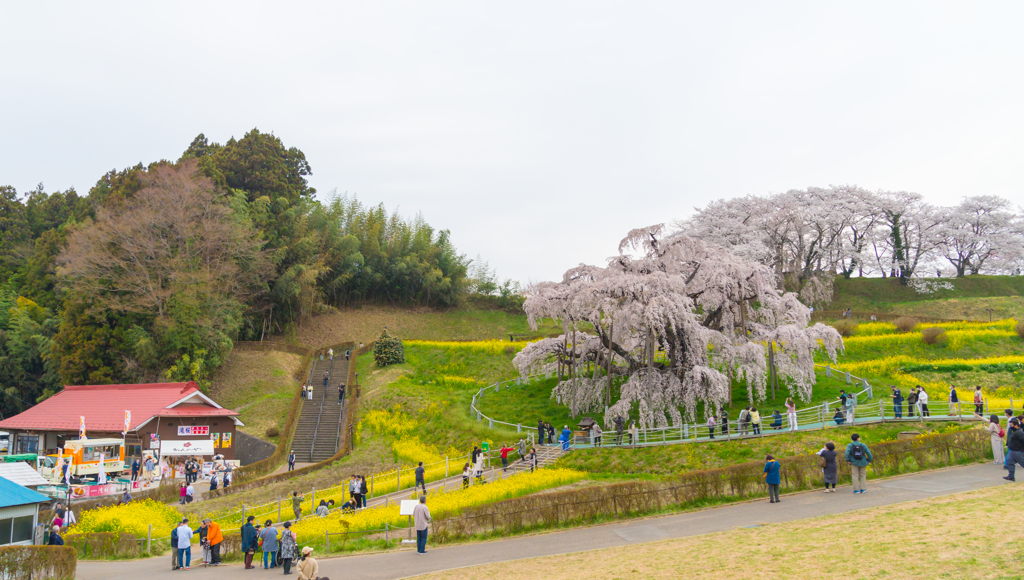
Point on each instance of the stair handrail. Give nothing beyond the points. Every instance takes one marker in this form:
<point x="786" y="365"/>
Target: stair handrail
<point x="323" y="397"/>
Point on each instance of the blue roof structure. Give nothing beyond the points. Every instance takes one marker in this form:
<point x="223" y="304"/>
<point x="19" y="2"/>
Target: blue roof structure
<point x="12" y="494"/>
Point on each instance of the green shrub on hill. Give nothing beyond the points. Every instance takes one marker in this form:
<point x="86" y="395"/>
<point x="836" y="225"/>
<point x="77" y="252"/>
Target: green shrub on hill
<point x="388" y="350"/>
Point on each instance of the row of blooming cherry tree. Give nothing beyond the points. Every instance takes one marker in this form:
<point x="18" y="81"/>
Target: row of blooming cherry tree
<point x="847" y="230"/>
<point x="678" y="319"/>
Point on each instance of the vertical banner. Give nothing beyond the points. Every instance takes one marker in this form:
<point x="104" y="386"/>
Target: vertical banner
<point x="127" y="422"/>
<point x="81" y="426"/>
<point x="225" y="440"/>
<point x="101" y="478"/>
<point x="216" y="439"/>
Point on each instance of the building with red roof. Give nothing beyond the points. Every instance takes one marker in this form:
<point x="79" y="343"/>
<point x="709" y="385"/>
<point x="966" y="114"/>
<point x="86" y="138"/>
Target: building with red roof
<point x="171" y="412"/>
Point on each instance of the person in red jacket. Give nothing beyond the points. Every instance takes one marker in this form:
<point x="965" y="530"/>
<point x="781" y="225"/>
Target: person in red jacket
<point x="504" y="455"/>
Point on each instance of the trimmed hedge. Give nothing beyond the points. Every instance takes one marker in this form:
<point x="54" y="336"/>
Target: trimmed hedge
<point x="103" y="545"/>
<point x="736" y="482"/>
<point x="28" y="562"/>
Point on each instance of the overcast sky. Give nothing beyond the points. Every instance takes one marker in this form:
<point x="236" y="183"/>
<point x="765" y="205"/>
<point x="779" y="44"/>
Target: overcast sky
<point x="539" y="133"/>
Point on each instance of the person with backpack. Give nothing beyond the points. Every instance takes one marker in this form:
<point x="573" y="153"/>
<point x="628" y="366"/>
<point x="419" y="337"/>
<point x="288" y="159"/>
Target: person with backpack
<point x="249" y="541"/>
<point x="1015" y="441"/>
<point x="897" y="402"/>
<point x="619" y="426"/>
<point x="771" y="477"/>
<point x="858" y="456"/>
<point x="979" y="401"/>
<point x="995" y="435"/>
<point x="466" y="471"/>
<point x="744" y="420"/>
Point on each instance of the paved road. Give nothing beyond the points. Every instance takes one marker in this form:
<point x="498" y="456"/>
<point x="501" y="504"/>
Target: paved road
<point x="403" y="564"/>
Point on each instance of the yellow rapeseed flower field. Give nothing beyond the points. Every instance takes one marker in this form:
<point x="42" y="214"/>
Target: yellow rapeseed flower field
<point x="441" y="504"/>
<point x="133" y="518"/>
<point x="493" y="347"/>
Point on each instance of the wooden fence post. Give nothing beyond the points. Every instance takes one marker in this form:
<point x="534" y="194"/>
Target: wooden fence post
<point x="149" y="540"/>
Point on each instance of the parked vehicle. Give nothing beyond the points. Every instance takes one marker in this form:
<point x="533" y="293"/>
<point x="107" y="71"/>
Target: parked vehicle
<point x="85" y="459"/>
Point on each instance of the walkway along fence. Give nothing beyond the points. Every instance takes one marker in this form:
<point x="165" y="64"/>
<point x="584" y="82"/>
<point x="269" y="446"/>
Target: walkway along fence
<point x="739" y="481"/>
<point x="809" y="417"/>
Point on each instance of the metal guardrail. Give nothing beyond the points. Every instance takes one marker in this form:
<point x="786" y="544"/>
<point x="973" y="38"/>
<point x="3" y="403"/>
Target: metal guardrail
<point x="691" y="431"/>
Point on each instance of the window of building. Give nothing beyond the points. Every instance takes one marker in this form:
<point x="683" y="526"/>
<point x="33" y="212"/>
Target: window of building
<point x="14" y="530"/>
<point x="134" y="451"/>
<point x="28" y="443"/>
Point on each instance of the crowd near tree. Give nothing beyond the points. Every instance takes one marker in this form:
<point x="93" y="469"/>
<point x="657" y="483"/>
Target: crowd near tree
<point x="808" y="236"/>
<point x="158" y="270"/>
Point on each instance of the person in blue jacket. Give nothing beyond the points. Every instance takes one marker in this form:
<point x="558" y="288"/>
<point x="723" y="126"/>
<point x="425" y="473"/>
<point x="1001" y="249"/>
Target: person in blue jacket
<point x="771" y="477"/>
<point x="566" y="437"/>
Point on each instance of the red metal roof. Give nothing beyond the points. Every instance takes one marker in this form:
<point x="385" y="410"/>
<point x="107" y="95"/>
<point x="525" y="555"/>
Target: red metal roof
<point x="103" y="407"/>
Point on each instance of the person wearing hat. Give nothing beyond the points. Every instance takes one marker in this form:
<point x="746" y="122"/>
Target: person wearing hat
<point x="308" y="568"/>
<point x="288" y="546"/>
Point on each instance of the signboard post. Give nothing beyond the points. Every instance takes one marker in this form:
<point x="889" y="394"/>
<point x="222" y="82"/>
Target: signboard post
<point x="406" y="509"/>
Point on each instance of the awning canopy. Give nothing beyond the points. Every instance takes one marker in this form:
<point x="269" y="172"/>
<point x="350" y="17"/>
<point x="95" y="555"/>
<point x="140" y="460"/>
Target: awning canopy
<point x="196" y="447"/>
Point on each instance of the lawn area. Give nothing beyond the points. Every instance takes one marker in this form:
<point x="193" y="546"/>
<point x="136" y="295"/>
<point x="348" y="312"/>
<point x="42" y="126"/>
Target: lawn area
<point x="965" y="308"/>
<point x="665" y="460"/>
<point x="260" y="385"/>
<point x="529" y="402"/>
<point x="365" y="324"/>
<point x="887" y="295"/>
<point x="957" y="536"/>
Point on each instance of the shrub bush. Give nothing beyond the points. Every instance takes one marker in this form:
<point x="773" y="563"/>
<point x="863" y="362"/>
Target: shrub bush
<point x="934" y="335"/>
<point x="845" y="328"/>
<point x="273" y="432"/>
<point x="1020" y="329"/>
<point x="388" y="350"/>
<point x="905" y="324"/>
<point x="26" y="562"/>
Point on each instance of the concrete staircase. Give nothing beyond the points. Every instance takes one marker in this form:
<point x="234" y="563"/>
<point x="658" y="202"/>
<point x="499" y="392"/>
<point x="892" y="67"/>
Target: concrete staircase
<point x="545" y="456"/>
<point x="316" y="436"/>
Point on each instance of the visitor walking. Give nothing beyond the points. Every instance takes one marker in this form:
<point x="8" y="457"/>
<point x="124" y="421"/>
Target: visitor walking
<point x="213" y="481"/>
<point x="711" y="424"/>
<point x="190" y="493"/>
<point x="829" y="467"/>
<point x="567" y="437"/>
<point x="771" y="477"/>
<point x="922" y="402"/>
<point x="724" y="419"/>
<point x="150" y="466"/>
<point x="533" y="459"/>
<point x="478" y="467"/>
<point x="791" y="414"/>
<point x="327" y="376"/>
<point x="1015" y="442"/>
<point x="897" y="402"/>
<point x="341" y="393"/>
<point x="466" y="471"/>
<point x="181" y="494"/>
<point x="1007" y="431"/>
<point x="289" y="543"/>
<point x="633" y="433"/>
<point x="135" y="469"/>
<point x="291" y="461"/>
<point x="474" y="454"/>
<point x="184" y="538"/>
<point x="596" y="434"/>
<point x="268" y="541"/>
<point x="297" y="504"/>
<point x="421" y="515"/>
<point x="995" y="435"/>
<point x="420" y="483"/>
<point x="522" y="450"/>
<point x="307" y="566"/>
<point x="755" y="420"/>
<point x="858" y="456"/>
<point x="348" y="354"/>
<point x="54" y="538"/>
<point x="330" y="353"/>
<point x="249" y="541"/>
<point x="954" y="402"/>
<point x="979" y="401"/>
<point x="619" y="424"/>
<point x="744" y="420"/>
<point x="504" y="455"/>
<point x="911" y="403"/>
<point x="540" y="432"/>
<point x="551" y="432"/>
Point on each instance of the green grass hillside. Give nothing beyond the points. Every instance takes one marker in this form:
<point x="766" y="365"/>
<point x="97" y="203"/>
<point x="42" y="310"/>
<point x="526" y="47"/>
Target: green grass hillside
<point x="968" y="299"/>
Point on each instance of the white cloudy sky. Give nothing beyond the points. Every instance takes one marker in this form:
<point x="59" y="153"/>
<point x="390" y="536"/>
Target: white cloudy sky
<point x="537" y="132"/>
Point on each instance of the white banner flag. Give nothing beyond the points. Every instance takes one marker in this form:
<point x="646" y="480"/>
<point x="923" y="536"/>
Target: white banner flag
<point x="127" y="421"/>
<point x="81" y="427"/>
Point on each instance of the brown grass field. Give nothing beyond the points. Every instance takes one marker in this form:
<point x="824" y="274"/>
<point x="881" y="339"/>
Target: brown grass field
<point x="259" y="385"/>
<point x="967" y="535"/>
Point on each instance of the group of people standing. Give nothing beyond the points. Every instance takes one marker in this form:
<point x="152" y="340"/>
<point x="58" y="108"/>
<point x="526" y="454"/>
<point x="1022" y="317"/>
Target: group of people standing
<point x="857" y="454"/>
<point x="1010" y="454"/>
<point x="279" y="549"/>
<point x="917" y="399"/>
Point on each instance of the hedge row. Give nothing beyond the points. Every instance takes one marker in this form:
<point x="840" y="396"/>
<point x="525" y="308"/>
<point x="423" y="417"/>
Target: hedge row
<point x="738" y="481"/>
<point x="28" y="562"/>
